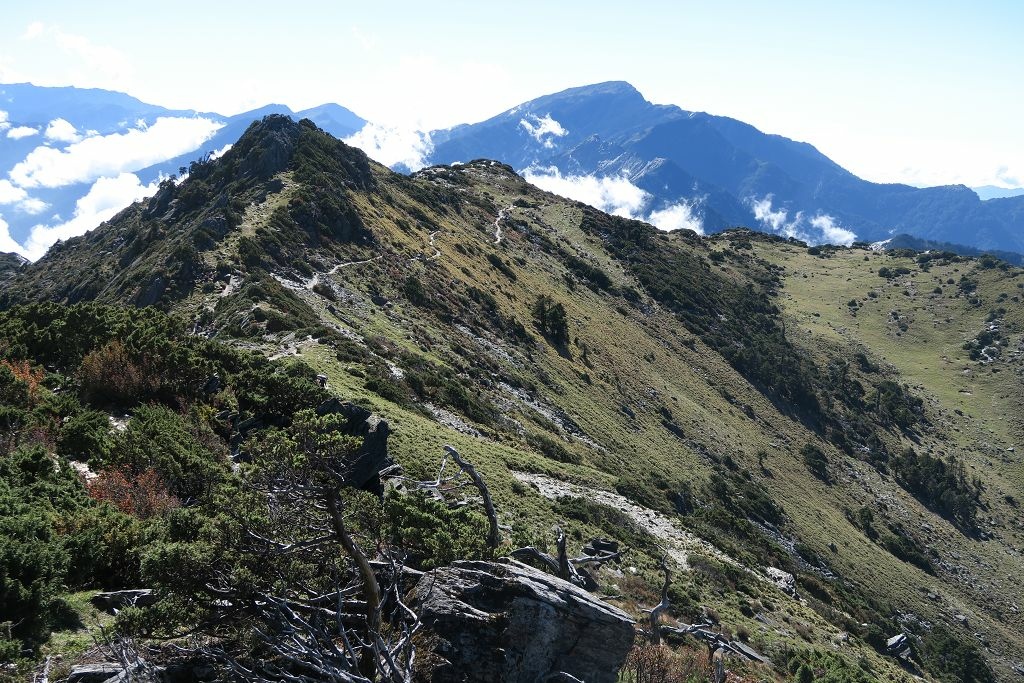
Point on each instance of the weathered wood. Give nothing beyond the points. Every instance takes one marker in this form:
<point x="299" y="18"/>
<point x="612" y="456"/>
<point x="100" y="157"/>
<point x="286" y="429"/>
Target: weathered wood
<point x="661" y="606"/>
<point x="494" y="536"/>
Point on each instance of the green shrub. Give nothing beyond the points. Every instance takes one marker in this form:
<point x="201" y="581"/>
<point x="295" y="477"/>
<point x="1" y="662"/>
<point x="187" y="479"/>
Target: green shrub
<point x="815" y="461"/>
<point x="954" y="660"/>
<point x="550" y="318"/>
<point x="175" y="447"/>
<point x="430" y="533"/>
<point x="895" y="405"/>
<point x="414" y="291"/>
<point x="552" y="448"/>
<point x="941" y="486"/>
<point x="86" y="436"/>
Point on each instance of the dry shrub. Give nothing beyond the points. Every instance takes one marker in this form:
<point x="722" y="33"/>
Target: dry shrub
<point x="648" y="663"/>
<point x="804" y="631"/>
<point x="143" y="495"/>
<point x="639" y="590"/>
<point x="24" y="372"/>
<point x="110" y="375"/>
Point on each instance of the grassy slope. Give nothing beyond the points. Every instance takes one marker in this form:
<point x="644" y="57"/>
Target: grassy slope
<point x="638" y="357"/>
<point x="605" y="406"/>
<point x="641" y="358"/>
<point x="978" y="577"/>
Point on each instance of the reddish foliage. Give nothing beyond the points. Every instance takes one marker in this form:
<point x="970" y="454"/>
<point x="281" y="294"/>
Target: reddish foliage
<point x="143" y="495"/>
<point x="24" y="372"/>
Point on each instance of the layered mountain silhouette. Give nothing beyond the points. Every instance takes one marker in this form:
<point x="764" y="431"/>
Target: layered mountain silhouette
<point x="726" y="172"/>
<point x="729" y="171"/>
<point x="805" y="431"/>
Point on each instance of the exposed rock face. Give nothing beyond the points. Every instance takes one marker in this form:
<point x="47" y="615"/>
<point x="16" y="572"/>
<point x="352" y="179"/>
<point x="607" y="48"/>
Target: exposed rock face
<point x="95" y="673"/>
<point x="364" y="470"/>
<point x="115" y="600"/>
<point x="110" y="672"/>
<point x="783" y="579"/>
<point x="506" y="621"/>
<point x="273" y="140"/>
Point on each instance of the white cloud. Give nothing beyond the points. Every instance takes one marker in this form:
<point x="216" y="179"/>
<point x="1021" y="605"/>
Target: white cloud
<point x="541" y="126"/>
<point x="618" y="196"/>
<point x="33" y="30"/>
<point x="831" y="231"/>
<point x="105" y="198"/>
<point x="10" y="194"/>
<point x="99" y="65"/>
<point x="1005" y="177"/>
<point x="820" y="228"/>
<point x="22" y="132"/>
<point x="393" y="146"/>
<point x="61" y="130"/>
<point x="615" y="195"/>
<point x="4" y="122"/>
<point x="109" y="155"/>
<point x="776" y="220"/>
<point x="7" y="243"/>
<point x="32" y="206"/>
<point x="678" y="216"/>
<point x="218" y="153"/>
<point x="367" y="41"/>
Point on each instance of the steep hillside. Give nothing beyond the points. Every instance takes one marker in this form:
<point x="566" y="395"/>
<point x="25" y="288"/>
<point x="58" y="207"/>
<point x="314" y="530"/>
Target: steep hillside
<point x="62" y="145"/>
<point x="10" y="264"/>
<point x="748" y="407"/>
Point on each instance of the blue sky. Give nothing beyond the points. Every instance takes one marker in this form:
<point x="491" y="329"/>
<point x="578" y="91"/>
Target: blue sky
<point x="919" y="92"/>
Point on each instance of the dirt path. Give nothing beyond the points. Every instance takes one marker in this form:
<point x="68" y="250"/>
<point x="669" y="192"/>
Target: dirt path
<point x="437" y="252"/>
<point x="675" y="541"/>
<point x="291" y="346"/>
<point x="678" y="543"/>
<point x="313" y="281"/>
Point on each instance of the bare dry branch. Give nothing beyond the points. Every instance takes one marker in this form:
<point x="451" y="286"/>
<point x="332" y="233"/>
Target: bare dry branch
<point x="663" y="605"/>
<point x="494" y="537"/>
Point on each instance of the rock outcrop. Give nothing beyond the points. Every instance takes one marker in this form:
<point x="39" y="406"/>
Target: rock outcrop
<point x="506" y="621"/>
<point x="95" y="673"/>
<point x="363" y="472"/>
<point x="111" y="601"/>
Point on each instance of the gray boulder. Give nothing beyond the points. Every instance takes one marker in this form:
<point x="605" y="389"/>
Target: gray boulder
<point x="506" y="621"/>
<point x="115" y="600"/>
<point x="363" y="472"/>
<point x="95" y="673"/>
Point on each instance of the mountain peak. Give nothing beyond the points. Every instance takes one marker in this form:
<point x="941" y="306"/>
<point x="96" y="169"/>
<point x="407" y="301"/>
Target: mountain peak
<point x="267" y="145"/>
<point x="605" y="88"/>
<point x="618" y="90"/>
<point x="278" y="143"/>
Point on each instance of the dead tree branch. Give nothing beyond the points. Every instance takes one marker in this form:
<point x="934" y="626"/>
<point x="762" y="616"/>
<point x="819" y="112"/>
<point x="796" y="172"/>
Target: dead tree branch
<point x="661" y="606"/>
<point x="494" y="537"/>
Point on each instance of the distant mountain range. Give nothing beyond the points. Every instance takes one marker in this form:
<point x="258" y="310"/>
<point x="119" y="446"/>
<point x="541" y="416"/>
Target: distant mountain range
<point x="725" y="172"/>
<point x="70" y="158"/>
<point x="996" y="192"/>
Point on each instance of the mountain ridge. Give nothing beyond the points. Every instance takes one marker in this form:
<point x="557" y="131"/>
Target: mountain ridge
<point x="91" y="145"/>
<point x="804" y="410"/>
